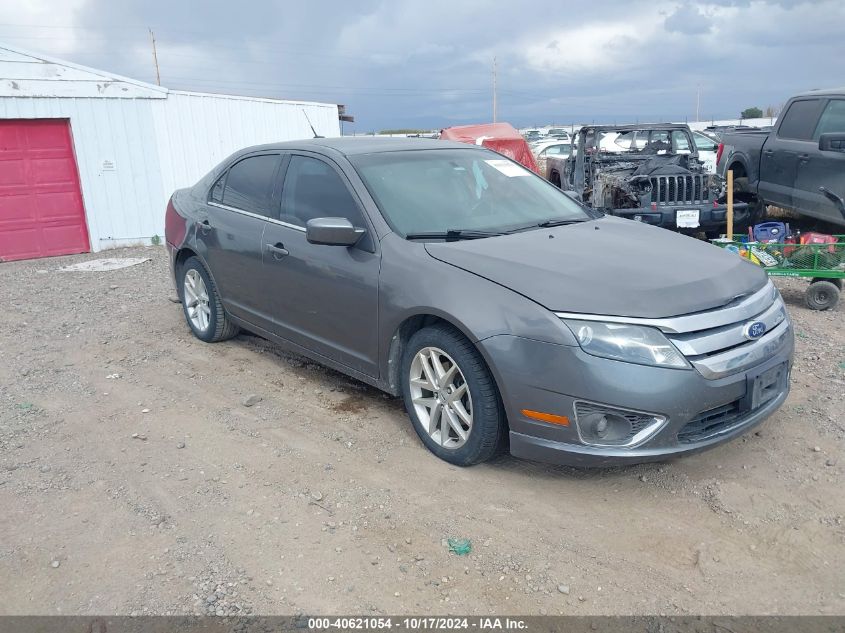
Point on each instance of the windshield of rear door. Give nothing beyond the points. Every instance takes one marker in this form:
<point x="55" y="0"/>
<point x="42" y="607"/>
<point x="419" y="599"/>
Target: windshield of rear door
<point x="436" y="190"/>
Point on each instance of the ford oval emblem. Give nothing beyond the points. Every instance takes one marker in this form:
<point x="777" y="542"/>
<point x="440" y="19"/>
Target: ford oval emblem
<point x="754" y="330"/>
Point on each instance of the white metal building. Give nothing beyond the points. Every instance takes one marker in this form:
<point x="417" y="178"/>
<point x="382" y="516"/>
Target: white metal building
<point x="88" y="159"/>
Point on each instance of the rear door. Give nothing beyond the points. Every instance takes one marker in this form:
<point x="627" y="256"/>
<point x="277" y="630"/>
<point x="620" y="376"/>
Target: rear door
<point x="229" y="236"/>
<point x="324" y="298"/>
<point x="784" y="148"/>
<point x="822" y="168"/>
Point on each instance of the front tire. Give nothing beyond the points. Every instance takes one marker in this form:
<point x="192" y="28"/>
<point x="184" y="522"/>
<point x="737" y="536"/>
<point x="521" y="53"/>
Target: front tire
<point x="451" y="397"/>
<point x="201" y="304"/>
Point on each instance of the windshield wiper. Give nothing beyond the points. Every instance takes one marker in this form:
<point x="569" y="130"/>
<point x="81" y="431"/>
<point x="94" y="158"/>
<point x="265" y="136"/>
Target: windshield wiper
<point x="559" y="222"/>
<point x="452" y="235"/>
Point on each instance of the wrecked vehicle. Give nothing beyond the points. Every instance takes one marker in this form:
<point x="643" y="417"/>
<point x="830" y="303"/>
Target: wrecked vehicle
<point x="651" y="173"/>
<point x="500" y="137"/>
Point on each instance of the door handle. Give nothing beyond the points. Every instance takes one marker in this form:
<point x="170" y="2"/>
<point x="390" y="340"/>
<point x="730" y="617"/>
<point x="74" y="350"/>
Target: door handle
<point x="768" y="152"/>
<point x="205" y="225"/>
<point x="804" y="157"/>
<point x="278" y="249"/>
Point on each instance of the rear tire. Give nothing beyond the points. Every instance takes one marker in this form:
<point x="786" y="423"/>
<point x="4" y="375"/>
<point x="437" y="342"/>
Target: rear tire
<point x="201" y="304"/>
<point x="822" y="295"/>
<point x="466" y="431"/>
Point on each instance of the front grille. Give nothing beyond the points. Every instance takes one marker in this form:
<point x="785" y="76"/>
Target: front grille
<point x="711" y="423"/>
<point x="698" y="343"/>
<point x="673" y="190"/>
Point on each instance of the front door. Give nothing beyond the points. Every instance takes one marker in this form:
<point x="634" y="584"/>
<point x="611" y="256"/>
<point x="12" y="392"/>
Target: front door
<point x="783" y="149"/>
<point x="823" y="168"/>
<point x="324" y="298"/>
<point x="229" y="237"/>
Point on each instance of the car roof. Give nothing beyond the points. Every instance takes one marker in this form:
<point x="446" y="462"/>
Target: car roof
<point x="355" y="145"/>
<point x="823" y="92"/>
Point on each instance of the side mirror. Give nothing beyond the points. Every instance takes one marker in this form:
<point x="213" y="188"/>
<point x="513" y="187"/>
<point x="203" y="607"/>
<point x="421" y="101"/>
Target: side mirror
<point x="832" y="142"/>
<point x="332" y="232"/>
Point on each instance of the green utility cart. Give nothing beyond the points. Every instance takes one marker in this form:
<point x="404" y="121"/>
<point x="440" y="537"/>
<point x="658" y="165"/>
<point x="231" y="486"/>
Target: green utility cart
<point x="824" y="264"/>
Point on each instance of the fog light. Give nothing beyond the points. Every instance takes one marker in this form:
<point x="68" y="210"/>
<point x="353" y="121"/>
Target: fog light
<point x="601" y="425"/>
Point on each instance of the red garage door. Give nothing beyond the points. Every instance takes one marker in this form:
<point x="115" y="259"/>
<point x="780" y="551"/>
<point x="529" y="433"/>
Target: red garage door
<point x="41" y="210"/>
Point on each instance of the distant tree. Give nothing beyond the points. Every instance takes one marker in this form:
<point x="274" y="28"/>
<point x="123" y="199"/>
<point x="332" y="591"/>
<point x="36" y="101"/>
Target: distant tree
<point x="751" y="113"/>
<point x="772" y="111"/>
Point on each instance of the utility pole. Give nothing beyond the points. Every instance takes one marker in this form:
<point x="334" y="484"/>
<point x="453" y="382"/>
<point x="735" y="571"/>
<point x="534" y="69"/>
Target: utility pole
<point x="697" y="102"/>
<point x="155" y="57"/>
<point x="494" y="90"/>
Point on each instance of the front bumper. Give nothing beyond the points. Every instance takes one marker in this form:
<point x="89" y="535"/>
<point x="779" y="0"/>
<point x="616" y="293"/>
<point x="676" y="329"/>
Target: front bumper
<point x="550" y="378"/>
<point x="710" y="217"/>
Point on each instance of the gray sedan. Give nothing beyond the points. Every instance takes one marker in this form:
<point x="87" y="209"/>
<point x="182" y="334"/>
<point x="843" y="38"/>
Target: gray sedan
<point x="505" y="314"/>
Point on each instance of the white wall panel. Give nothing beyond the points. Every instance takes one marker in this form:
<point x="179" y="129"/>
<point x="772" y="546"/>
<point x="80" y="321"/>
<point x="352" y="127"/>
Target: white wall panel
<point x="195" y="132"/>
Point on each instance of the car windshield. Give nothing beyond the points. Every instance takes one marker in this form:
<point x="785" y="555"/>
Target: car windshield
<point x="438" y="190"/>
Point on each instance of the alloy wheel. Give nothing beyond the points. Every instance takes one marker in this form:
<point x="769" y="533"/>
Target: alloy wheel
<point x="196" y="300"/>
<point x="441" y="398"/>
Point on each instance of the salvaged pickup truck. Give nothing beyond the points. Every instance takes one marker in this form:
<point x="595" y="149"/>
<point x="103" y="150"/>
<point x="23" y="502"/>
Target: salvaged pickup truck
<point x="800" y="164"/>
<point x="649" y="173"/>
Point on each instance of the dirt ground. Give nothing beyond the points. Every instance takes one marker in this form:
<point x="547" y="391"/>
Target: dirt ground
<point x="133" y="479"/>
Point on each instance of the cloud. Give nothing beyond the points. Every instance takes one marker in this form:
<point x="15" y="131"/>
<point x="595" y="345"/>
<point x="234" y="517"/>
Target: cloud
<point x="428" y="63"/>
<point x="688" y="19"/>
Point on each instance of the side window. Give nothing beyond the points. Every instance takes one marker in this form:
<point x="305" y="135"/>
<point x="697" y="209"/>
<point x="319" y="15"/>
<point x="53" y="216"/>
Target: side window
<point x="249" y="185"/>
<point x="832" y="119"/>
<point x="217" y="189"/>
<point x="680" y="141"/>
<point x="800" y="120"/>
<point x="313" y="189"/>
<point x="704" y="143"/>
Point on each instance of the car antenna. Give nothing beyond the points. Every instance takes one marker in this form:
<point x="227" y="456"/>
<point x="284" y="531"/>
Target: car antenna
<point x="310" y="125"/>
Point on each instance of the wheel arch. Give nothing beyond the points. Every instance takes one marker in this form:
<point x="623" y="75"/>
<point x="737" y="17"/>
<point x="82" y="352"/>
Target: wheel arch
<point x="745" y="176"/>
<point x="407" y="328"/>
<point x="183" y="255"/>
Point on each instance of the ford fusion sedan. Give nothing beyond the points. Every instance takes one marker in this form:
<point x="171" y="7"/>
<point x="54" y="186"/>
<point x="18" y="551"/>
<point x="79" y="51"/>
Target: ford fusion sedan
<point x="505" y="314"/>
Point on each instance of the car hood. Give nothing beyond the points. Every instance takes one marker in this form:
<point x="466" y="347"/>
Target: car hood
<point x="609" y="266"/>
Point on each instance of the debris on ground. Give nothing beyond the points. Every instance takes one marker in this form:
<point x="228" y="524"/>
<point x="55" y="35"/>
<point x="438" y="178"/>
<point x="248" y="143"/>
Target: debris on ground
<point x="251" y="400"/>
<point x="103" y="265"/>
<point x="459" y="546"/>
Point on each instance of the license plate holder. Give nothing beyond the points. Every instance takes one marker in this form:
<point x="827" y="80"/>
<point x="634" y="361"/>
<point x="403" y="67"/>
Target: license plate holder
<point x="688" y="218"/>
<point x="766" y="386"/>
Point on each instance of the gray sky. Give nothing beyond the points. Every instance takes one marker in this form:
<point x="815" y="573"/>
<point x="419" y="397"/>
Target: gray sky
<point x="428" y="64"/>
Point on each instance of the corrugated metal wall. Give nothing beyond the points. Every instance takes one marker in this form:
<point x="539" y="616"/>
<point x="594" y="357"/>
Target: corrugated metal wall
<point x="194" y="132"/>
<point x="122" y="205"/>
<point x="156" y="145"/>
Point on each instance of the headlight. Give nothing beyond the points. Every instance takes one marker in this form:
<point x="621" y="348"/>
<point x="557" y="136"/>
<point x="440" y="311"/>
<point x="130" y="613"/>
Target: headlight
<point x="630" y="343"/>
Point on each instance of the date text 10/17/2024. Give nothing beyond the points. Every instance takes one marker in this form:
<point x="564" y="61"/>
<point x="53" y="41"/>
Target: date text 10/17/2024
<point x="418" y="623"/>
